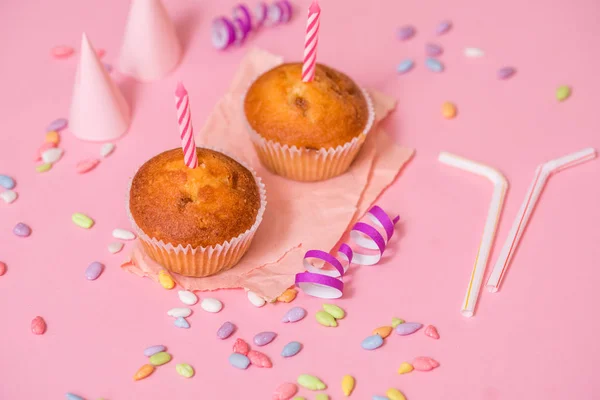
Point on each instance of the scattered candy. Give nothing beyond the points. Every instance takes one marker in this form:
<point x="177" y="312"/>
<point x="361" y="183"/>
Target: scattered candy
<point x="443" y="27"/>
<point x="448" y="110"/>
<point x="43" y="167"/>
<point x="38" y="326"/>
<point x="45" y="146"/>
<point x="152" y="350"/>
<point x="185" y="370"/>
<point x="348" y="383"/>
<point x="52" y="155"/>
<point x="144" y="372"/>
<point x="562" y="93"/>
<point x="294" y="314"/>
<point x="211" y="305"/>
<point x="71" y="396"/>
<point x="93" y="271"/>
<point x="285" y="391"/>
<point x="405" y="368"/>
<point x="321" y="396"/>
<point x="473" y="52"/>
<point x="288" y="296"/>
<point x="259" y="359"/>
<point x="408" y="328"/>
<point x="57" y="125"/>
<point x="372" y="342"/>
<point x="106" y="149"/>
<point x="291" y="349"/>
<point x="239" y="360"/>
<point x="434" y="65"/>
<point x="264" y="338"/>
<point x="432" y="332"/>
<point x="52" y="137"/>
<point x="82" y="220"/>
<point x="86" y="165"/>
<point x="222" y="33"/>
<point x="425" y="364"/>
<point x="383" y="331"/>
<point x="241" y="347"/>
<point x="433" y="50"/>
<point x="2" y="268"/>
<point x="405" y="32"/>
<point x="405" y="66"/>
<point x="505" y="72"/>
<point x="335" y="311"/>
<point x="311" y="382"/>
<point x="62" y="51"/>
<point x="8" y="196"/>
<point x="187" y="297"/>
<point x="181" y="322"/>
<point x="22" y="230"/>
<point x="160" y="358"/>
<point x="225" y="330"/>
<point x="123" y="234"/>
<point x="395" y="394"/>
<point x="325" y="319"/>
<point x="179" y="312"/>
<point x="7" y="182"/>
<point x="166" y="280"/>
<point x="255" y="299"/>
<point x="115" y="247"/>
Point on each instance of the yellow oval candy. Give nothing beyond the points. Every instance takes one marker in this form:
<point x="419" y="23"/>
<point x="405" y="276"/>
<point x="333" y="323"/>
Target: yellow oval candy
<point x="448" y="110"/>
<point x="395" y="394"/>
<point x="321" y="396"/>
<point x="160" y="358"/>
<point x="53" y="137"/>
<point x="334" y="310"/>
<point x="405" y="368"/>
<point x="43" y="167"/>
<point x="325" y="319"/>
<point x="396" y="322"/>
<point x="166" y="280"/>
<point x="383" y="331"/>
<point x="348" y="383"/>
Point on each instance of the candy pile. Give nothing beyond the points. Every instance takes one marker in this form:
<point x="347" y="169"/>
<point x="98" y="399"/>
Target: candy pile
<point x="330" y="314"/>
<point x="7" y="184"/>
<point x="157" y="356"/>
<point x="226" y="31"/>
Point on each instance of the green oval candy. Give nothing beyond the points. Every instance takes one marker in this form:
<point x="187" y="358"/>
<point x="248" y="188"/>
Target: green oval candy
<point x="563" y="92"/>
<point x="334" y="310"/>
<point x="325" y="319"/>
<point x="396" y="322"/>
<point x="310" y="382"/>
<point x="160" y="358"/>
<point x="322" y="396"/>
<point x="82" y="220"/>
<point x="185" y="370"/>
<point x="43" y="167"/>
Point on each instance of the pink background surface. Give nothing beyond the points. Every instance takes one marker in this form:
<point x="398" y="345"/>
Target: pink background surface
<point x="536" y="338"/>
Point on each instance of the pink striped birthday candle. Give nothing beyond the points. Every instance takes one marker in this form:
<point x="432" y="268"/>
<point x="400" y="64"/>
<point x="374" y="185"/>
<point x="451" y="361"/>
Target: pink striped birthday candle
<point x="310" y="42"/>
<point x="186" y="130"/>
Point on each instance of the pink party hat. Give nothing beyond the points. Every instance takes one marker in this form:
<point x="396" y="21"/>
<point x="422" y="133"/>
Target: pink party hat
<point x="99" y="111"/>
<point x="151" y="47"/>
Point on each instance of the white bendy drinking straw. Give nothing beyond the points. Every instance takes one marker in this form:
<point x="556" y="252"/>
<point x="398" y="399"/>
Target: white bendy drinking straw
<point x="489" y="230"/>
<point x="542" y="173"/>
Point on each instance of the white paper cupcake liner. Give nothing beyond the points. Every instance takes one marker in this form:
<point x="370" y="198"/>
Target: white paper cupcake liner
<point x="302" y="164"/>
<point x="201" y="261"/>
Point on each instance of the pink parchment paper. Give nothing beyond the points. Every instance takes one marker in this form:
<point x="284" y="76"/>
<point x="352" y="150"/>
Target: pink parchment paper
<point x="299" y="216"/>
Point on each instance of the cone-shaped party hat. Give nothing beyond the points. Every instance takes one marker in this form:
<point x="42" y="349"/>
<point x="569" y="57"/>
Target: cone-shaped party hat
<point x="151" y="47"/>
<point x="99" y="111"/>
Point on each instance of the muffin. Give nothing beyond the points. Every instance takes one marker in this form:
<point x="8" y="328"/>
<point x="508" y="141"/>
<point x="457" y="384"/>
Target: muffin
<point x="195" y="222"/>
<point x="307" y="131"/>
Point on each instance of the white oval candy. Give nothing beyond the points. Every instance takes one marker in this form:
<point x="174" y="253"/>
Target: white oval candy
<point x="115" y="247"/>
<point x="473" y="52"/>
<point x="123" y="234"/>
<point x="8" y="196"/>
<point x="51" y="156"/>
<point x="255" y="299"/>
<point x="187" y="297"/>
<point x="106" y="149"/>
<point x="179" y="312"/>
<point x="211" y="305"/>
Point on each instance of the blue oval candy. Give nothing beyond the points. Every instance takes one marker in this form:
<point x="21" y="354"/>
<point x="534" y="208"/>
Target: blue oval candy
<point x="291" y="349"/>
<point x="379" y="398"/>
<point x="7" y="182"/>
<point x="239" y="360"/>
<point x="181" y="322"/>
<point x="434" y="65"/>
<point x="405" y="66"/>
<point x="71" y="396"/>
<point x="372" y="342"/>
<point x="150" y="351"/>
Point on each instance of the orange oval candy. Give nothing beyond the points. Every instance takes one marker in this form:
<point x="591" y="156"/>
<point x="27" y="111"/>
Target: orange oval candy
<point x="383" y="331"/>
<point x="52" y="137"/>
<point x="288" y="295"/>
<point x="448" y="110"/>
<point x="144" y="372"/>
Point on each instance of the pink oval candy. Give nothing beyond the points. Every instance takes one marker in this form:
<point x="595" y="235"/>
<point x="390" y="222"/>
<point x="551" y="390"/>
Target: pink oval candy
<point x="432" y="332"/>
<point x="425" y="364"/>
<point x="38" y="326"/>
<point x="62" y="51"/>
<point x="241" y="347"/>
<point x="2" y="268"/>
<point x="259" y="359"/>
<point x="285" y="391"/>
<point x="86" y="165"/>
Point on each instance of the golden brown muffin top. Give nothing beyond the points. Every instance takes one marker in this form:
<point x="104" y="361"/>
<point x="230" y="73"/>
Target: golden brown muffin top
<point x="327" y="112"/>
<point x="204" y="206"/>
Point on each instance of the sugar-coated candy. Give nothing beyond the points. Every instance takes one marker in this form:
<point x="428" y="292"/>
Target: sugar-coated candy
<point x="123" y="234"/>
<point x="255" y="299"/>
<point x="179" y="312"/>
<point x="405" y="32"/>
<point x="239" y="360"/>
<point x="506" y="72"/>
<point x="8" y="196"/>
<point x="372" y="342"/>
<point x="240" y="346"/>
<point x="165" y="279"/>
<point x="185" y="370"/>
<point x="225" y="330"/>
<point x="322" y="396"/>
<point x="288" y="296"/>
<point x="425" y="364"/>
<point x="181" y="322"/>
<point x="71" y="396"/>
<point x="408" y="328"/>
<point x="563" y="92"/>
<point x="52" y="155"/>
<point x="432" y="332"/>
<point x="115" y="247"/>
<point x="311" y="382"/>
<point x="291" y="349"/>
<point x="383" y="331"/>
<point x="187" y="297"/>
<point x="285" y="391"/>
<point x="145" y="371"/>
<point x="264" y="338"/>
<point x="443" y="27"/>
<point x="86" y="165"/>
<point x="2" y="268"/>
<point x="62" y="51"/>
<point x="150" y="351"/>
<point x="448" y="110"/>
<point x="93" y="271"/>
<point x="294" y="314"/>
<point x="106" y="149"/>
<point x="57" y="125"/>
<point x="160" y="358"/>
<point x="211" y="305"/>
<point x="22" y="230"/>
<point x="433" y="50"/>
<point x="82" y="220"/>
<point x="259" y="359"/>
<point x="405" y="368"/>
<point x="395" y="394"/>
<point x="7" y="182"/>
<point x="434" y="65"/>
<point x="325" y="319"/>
<point x="348" y="383"/>
<point x="38" y="326"/>
<point x="405" y="66"/>
<point x="334" y="310"/>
